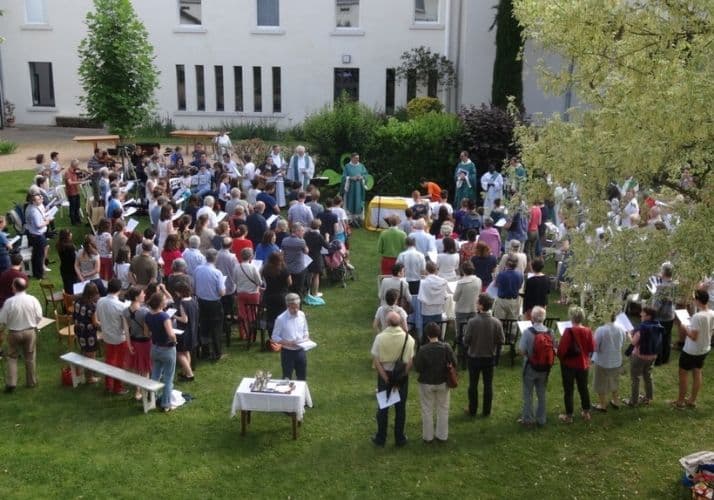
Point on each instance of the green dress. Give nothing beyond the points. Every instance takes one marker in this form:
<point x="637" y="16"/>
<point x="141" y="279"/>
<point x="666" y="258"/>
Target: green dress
<point x="465" y="189"/>
<point x="353" y="191"/>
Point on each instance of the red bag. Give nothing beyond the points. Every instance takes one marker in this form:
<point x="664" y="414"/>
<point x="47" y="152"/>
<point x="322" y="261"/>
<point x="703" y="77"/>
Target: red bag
<point x="66" y="376"/>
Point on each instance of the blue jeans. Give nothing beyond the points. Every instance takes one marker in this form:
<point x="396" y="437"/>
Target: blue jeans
<point x="163" y="360"/>
<point x="538" y="380"/>
<point x="293" y="361"/>
<point x="400" y="414"/>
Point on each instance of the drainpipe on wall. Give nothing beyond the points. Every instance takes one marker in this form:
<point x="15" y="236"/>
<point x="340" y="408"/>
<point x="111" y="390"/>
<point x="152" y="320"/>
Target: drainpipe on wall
<point x="2" y="98"/>
<point x="453" y="93"/>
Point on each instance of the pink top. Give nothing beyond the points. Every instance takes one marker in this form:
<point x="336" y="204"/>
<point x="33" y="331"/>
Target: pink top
<point x="535" y="218"/>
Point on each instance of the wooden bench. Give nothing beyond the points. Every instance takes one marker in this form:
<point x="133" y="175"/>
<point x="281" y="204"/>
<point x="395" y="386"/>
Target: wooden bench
<point x="148" y="387"/>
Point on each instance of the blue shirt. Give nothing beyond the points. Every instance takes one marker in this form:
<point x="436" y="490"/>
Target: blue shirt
<point x="269" y="201"/>
<point x="155" y="323"/>
<point x="209" y="282"/>
<point x="424" y="242"/>
<point x="193" y="258"/>
<point x="509" y="283"/>
<point x="203" y="180"/>
<point x="4" y="254"/>
<point x="112" y="206"/>
<point x="262" y="251"/>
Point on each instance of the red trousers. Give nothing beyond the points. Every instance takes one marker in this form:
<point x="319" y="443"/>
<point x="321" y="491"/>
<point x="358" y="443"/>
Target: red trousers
<point x="115" y="356"/>
<point x="387" y="263"/>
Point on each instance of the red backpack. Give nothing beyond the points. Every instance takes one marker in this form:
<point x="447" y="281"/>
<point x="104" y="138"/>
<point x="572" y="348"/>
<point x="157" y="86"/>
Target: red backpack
<point x="543" y="355"/>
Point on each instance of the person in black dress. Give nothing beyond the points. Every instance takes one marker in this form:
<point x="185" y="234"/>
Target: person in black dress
<point x="315" y="243"/>
<point x="277" y="282"/>
<point x="537" y="288"/>
<point x="67" y="255"/>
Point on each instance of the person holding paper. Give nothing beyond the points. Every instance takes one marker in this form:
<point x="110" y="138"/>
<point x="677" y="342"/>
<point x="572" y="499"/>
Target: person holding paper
<point x="390" y="346"/>
<point x="574" y="351"/>
<point x="295" y="249"/>
<point x="5" y="246"/>
<point x="227" y="264"/>
<point x="607" y="360"/>
<point x="492" y="186"/>
<point x="663" y="301"/>
<point x="301" y="167"/>
<point x="465" y="178"/>
<point x="67" y="254"/>
<point x="87" y="264"/>
<point x="647" y="342"/>
<point x="289" y="331"/>
<point x="697" y="345"/>
<point x="163" y="347"/>
<point x="532" y="378"/>
<point x="390" y="244"/>
<point x="116" y="343"/>
<point x="210" y="287"/>
<point x="36" y="223"/>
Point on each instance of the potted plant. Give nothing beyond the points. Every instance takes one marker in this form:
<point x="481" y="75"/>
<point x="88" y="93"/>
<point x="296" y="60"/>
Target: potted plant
<point x="9" y="113"/>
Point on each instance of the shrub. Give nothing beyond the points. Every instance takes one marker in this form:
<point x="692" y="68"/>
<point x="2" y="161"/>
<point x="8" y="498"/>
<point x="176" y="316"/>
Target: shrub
<point x="488" y="134"/>
<point x="157" y="126"/>
<point x="77" y="122"/>
<point x="422" y="105"/>
<point x="252" y="130"/>
<point x="427" y="146"/>
<point x="345" y="127"/>
<point x="7" y="147"/>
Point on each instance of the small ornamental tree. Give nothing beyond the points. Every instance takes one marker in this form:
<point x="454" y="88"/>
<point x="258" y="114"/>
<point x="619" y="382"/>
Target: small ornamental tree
<point x="117" y="68"/>
<point x="424" y="64"/>
<point x="508" y="65"/>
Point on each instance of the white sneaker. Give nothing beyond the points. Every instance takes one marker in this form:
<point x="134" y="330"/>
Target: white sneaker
<point x="47" y="269"/>
<point x="318" y="294"/>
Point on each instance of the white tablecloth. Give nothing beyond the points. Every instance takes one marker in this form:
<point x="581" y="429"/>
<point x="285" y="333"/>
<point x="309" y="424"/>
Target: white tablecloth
<point x="295" y="402"/>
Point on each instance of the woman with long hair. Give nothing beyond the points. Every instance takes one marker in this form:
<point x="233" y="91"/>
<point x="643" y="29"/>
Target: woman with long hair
<point x="165" y="227"/>
<point x="86" y="324"/>
<point x="104" y="247"/>
<point x="134" y="329"/>
<point x="205" y="233"/>
<point x="67" y="255"/>
<point x="484" y="264"/>
<point x="163" y="347"/>
<point x="87" y="264"/>
<point x="170" y="253"/>
<point x="266" y="247"/>
<point x="277" y="283"/>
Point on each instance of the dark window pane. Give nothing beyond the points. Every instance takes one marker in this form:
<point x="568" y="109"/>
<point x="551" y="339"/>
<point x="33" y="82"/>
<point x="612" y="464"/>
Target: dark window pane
<point x="43" y="88"/>
<point x="432" y="84"/>
<point x="347" y="82"/>
<point x="181" y="86"/>
<point x="411" y="85"/>
<point x="218" y="71"/>
<point x="200" y="89"/>
<point x="277" y="99"/>
<point x="257" y="90"/>
<point x="190" y="12"/>
<point x="238" y="87"/>
<point x="389" y="92"/>
<point x="268" y="13"/>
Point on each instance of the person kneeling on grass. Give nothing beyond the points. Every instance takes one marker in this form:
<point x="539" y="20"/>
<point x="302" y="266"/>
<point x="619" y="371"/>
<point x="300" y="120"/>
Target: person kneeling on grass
<point x="697" y="345"/>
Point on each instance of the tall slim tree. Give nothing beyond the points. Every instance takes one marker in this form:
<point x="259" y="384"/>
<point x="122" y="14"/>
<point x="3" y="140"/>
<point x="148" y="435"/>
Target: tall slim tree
<point x="117" y="67"/>
<point x="508" y="66"/>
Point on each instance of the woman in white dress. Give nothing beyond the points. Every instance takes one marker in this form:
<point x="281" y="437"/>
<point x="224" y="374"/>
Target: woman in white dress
<point x="448" y="261"/>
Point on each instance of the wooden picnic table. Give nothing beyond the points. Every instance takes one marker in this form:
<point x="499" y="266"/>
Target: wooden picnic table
<point x="96" y="139"/>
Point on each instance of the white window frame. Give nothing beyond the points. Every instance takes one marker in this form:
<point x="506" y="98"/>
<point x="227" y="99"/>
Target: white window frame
<point x="191" y="25"/>
<point x="353" y="27"/>
<point x="257" y="17"/>
<point x="423" y="2"/>
<point x="43" y="5"/>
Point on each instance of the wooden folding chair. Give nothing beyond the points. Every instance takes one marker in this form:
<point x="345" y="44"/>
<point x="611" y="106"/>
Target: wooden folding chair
<point x="64" y="323"/>
<point x="511" y="332"/>
<point x="50" y="296"/>
<point x="68" y="301"/>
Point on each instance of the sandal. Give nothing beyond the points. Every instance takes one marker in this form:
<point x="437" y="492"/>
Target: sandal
<point x="691" y="404"/>
<point x="614" y="405"/>
<point x="566" y="419"/>
<point x="679" y="405"/>
<point x="586" y="415"/>
<point x="601" y="409"/>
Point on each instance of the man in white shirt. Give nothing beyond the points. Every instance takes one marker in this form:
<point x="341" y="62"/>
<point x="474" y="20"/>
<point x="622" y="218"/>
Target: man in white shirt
<point x="109" y="313"/>
<point x="697" y="345"/>
<point x="631" y="211"/>
<point x="492" y="185"/>
<point x="21" y="314"/>
<point x="425" y="242"/>
<point x="230" y="166"/>
<point x="299" y="212"/>
<point x="414" y="265"/>
<point x="207" y="208"/>
<point x="290" y="331"/>
<point x="248" y="172"/>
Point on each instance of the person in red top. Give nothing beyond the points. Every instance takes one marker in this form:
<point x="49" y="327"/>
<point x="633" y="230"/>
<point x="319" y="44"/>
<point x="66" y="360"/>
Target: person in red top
<point x="534" y="220"/>
<point x="72" y="182"/>
<point x="432" y="189"/>
<point x="574" y="351"/>
<point x="9" y="275"/>
<point x="240" y="240"/>
<point x="171" y="252"/>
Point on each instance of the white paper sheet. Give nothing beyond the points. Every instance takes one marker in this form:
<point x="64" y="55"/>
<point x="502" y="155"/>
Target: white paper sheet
<point x="492" y="290"/>
<point x="269" y="221"/>
<point x="562" y="325"/>
<point x="451" y="285"/>
<point x="78" y="288"/>
<point x="524" y="325"/>
<point x="129" y="211"/>
<point x="177" y="331"/>
<point x="14" y="240"/>
<point x="500" y="223"/>
<point x="127" y="202"/>
<point x="683" y="316"/>
<point x="307" y="345"/>
<point x="177" y="215"/>
<point x="51" y="212"/>
<point x="385" y="402"/>
<point x="624" y="322"/>
<point x="432" y="256"/>
<point x="306" y="260"/>
<point x="258" y="264"/>
<point x="220" y="216"/>
<point x="131" y="225"/>
<point x="171" y="311"/>
<point x="223" y="281"/>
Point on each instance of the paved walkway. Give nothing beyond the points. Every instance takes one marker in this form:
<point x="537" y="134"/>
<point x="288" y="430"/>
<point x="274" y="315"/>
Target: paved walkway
<point x="34" y="139"/>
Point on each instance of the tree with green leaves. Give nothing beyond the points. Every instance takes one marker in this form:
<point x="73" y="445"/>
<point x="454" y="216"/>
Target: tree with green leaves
<point x="508" y="66"/>
<point x="117" y="67"/>
<point x="643" y="73"/>
<point x="427" y="66"/>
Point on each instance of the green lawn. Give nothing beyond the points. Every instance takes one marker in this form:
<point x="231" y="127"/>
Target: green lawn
<point x="59" y="442"/>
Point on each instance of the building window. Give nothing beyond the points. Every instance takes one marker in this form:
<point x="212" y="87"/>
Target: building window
<point x="181" y="86"/>
<point x="268" y="13"/>
<point x="43" y="88"/>
<point x="347" y="15"/>
<point x="190" y="12"/>
<point x="257" y="90"/>
<point x="200" y="89"/>
<point x="389" y="92"/>
<point x="36" y="11"/>
<point x="238" y="87"/>
<point x="218" y="72"/>
<point x="426" y="11"/>
<point x="432" y="83"/>
<point x="411" y="85"/>
<point x="347" y="82"/>
<point x="277" y="98"/>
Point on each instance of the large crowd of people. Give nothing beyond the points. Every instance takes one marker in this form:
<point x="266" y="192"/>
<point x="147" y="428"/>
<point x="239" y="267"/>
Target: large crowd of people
<point x="234" y="242"/>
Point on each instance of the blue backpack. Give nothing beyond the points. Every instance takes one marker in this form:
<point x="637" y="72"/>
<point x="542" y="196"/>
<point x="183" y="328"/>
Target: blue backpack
<point x="651" y="333"/>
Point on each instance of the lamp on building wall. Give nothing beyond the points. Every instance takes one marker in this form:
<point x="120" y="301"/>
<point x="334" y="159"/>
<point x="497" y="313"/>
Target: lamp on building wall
<point x="346" y="58"/>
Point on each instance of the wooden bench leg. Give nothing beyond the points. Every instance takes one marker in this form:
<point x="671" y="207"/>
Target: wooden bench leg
<point x="243" y="421"/>
<point x="293" y="416"/>
<point x="148" y="398"/>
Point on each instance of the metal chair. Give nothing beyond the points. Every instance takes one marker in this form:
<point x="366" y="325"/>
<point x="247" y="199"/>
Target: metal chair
<point x="51" y="297"/>
<point x="511" y="333"/>
<point x="551" y="323"/>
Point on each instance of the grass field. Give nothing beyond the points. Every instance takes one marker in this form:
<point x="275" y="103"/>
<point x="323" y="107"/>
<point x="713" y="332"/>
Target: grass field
<point x="59" y="442"/>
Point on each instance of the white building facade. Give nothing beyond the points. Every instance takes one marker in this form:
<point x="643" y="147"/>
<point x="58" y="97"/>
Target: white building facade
<point x="274" y="61"/>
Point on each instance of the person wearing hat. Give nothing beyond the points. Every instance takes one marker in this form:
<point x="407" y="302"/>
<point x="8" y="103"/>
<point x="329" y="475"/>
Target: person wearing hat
<point x="390" y="243"/>
<point x="290" y="331"/>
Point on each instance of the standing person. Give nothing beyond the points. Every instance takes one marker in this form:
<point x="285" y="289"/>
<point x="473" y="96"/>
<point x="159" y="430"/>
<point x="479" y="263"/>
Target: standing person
<point x="248" y="291"/>
<point x="390" y="346"/>
<point x="697" y="345"/>
<point x="86" y="324"/>
<point x="536" y="345"/>
<point x="465" y="179"/>
<point x="192" y="256"/>
<point x="432" y="295"/>
<point x="210" y="288"/>
<point x="535" y="219"/>
<point x="433" y="190"/>
<point x="397" y="282"/>
<point x="186" y="320"/>
<point x="491" y="237"/>
<point x="290" y="331"/>
<point x="227" y="264"/>
<point x="431" y="363"/>
<point x="20" y="315"/>
<point x="134" y="328"/>
<point x="301" y="168"/>
<point x="574" y="351"/>
<point x="607" y="360"/>
<point x="354" y="187"/>
<point x="468" y="288"/>
<point x="663" y="302"/>
<point x="72" y="183"/>
<point x="483" y="336"/>
<point x="67" y="255"/>
<point x="315" y="244"/>
<point x="647" y="344"/>
<point x="299" y="212"/>
<point x="279" y="166"/>
<point x="537" y="288"/>
<point x="484" y="264"/>
<point x="109" y="313"/>
<point x="144" y="269"/>
<point x="277" y="283"/>
<point x="55" y="170"/>
<point x="7" y="277"/>
<point x="448" y="261"/>
<point x="163" y="347"/>
<point x="36" y="222"/>
<point x="256" y="224"/>
<point x="508" y="283"/>
<point x="294" y="249"/>
<point x="414" y="265"/>
<point x="492" y="185"/>
<point x="104" y="247"/>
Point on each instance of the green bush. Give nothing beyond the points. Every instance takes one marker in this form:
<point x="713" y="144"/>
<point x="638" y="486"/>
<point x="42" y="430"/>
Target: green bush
<point x="422" y="105"/>
<point x="157" y="126"/>
<point x="77" y="122"/>
<point x="427" y="146"/>
<point x="345" y="127"/>
<point x="7" y="147"/>
<point x="252" y="130"/>
<point x="488" y="135"/>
